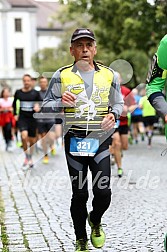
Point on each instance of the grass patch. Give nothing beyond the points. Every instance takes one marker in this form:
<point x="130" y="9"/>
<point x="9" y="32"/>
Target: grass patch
<point x="4" y="236"/>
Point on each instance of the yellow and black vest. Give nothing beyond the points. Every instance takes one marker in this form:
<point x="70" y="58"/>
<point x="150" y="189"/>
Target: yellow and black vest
<point x="88" y="113"/>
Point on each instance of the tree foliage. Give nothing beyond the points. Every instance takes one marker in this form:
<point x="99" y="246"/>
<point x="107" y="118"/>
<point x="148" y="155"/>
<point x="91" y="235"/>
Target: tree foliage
<point x="50" y="59"/>
<point x="127" y="29"/>
<point x="126" y="24"/>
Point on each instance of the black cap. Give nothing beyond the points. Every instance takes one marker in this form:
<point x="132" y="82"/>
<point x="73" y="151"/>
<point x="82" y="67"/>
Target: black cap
<point x="82" y="33"/>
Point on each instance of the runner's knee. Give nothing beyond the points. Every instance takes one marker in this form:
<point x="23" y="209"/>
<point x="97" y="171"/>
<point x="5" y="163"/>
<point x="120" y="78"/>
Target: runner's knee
<point x="117" y="144"/>
<point x="80" y="197"/>
<point x="24" y="137"/>
<point x="124" y="146"/>
<point x="102" y="194"/>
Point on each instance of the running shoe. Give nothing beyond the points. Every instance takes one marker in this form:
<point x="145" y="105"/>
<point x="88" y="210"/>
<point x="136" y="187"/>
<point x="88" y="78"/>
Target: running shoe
<point x="122" y="154"/>
<point x="165" y="243"/>
<point x="120" y="172"/>
<point x="19" y="144"/>
<point x="25" y="162"/>
<point x="53" y="151"/>
<point x="30" y="162"/>
<point x="9" y="147"/>
<point x="97" y="234"/>
<point x="142" y="137"/>
<point x="81" y="245"/>
<point x="45" y="160"/>
<point x="149" y="141"/>
<point x="130" y="140"/>
<point x="59" y="142"/>
<point x="112" y="160"/>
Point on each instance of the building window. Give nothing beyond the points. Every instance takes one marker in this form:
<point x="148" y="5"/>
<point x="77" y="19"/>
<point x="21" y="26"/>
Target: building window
<point x="19" y="58"/>
<point x="18" y="24"/>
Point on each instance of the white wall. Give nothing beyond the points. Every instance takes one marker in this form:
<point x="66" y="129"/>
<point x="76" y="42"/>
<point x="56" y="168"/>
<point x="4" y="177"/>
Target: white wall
<point x="25" y="39"/>
<point x="28" y="39"/>
<point x="11" y="40"/>
<point x="3" y="39"/>
<point x="48" y="41"/>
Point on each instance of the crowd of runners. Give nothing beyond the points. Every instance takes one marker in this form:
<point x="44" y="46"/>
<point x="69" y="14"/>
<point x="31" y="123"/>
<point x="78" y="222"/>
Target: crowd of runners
<point x="20" y="128"/>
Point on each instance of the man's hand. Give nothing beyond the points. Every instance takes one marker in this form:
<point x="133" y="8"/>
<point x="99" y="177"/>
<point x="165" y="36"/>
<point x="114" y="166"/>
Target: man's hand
<point x="36" y="107"/>
<point x="108" y="122"/>
<point x="166" y="119"/>
<point x="125" y="111"/>
<point x="16" y="117"/>
<point x="68" y="99"/>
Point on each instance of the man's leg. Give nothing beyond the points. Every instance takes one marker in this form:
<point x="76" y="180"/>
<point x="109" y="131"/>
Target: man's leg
<point x="117" y="149"/>
<point x="7" y="134"/>
<point x="124" y="141"/>
<point x="23" y="128"/>
<point x="79" y="197"/>
<point x="32" y="139"/>
<point x="78" y="167"/>
<point x="59" y="132"/>
<point x="150" y="134"/>
<point x="141" y="129"/>
<point x="44" y="142"/>
<point x="101" y="172"/>
<point x="135" y="131"/>
<point x="43" y="136"/>
<point x="100" y="168"/>
<point x="51" y="140"/>
<point x="24" y="138"/>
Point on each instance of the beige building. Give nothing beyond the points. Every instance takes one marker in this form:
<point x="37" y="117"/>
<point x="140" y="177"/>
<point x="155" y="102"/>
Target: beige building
<point x="25" y="27"/>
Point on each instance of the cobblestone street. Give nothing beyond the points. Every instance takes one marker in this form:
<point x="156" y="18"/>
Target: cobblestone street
<point x="37" y="202"/>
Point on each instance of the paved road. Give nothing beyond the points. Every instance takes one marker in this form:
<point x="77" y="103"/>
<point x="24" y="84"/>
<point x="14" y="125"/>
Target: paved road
<point x="37" y="216"/>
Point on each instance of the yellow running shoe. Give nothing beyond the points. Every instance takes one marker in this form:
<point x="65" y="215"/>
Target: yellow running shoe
<point x="19" y="144"/>
<point x="53" y="151"/>
<point x="120" y="172"/>
<point x="97" y="234"/>
<point x="45" y="160"/>
<point x="81" y="245"/>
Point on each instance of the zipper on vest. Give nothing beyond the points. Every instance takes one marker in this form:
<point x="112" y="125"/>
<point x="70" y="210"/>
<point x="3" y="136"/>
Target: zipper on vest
<point x="87" y="125"/>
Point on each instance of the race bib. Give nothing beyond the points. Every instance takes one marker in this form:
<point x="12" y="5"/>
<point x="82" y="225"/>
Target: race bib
<point x="83" y="146"/>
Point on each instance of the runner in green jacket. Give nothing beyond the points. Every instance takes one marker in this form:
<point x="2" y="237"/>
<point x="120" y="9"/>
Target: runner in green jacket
<point x="157" y="81"/>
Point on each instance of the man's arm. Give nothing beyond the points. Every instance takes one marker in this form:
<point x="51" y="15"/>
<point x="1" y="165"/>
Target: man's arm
<point x="115" y="97"/>
<point x="14" y="103"/>
<point x="156" y="79"/>
<point x="52" y="101"/>
<point x="154" y="89"/>
<point x="115" y="103"/>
